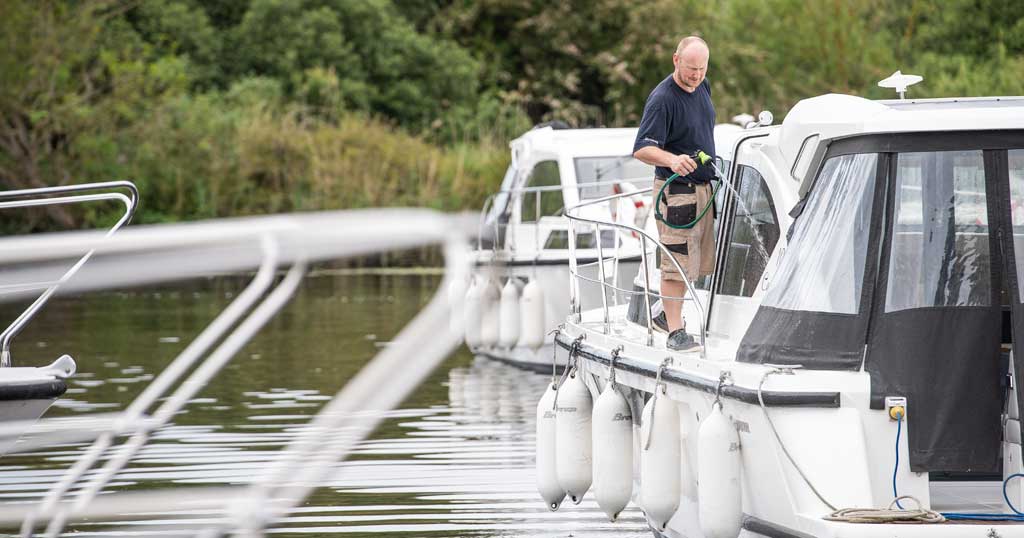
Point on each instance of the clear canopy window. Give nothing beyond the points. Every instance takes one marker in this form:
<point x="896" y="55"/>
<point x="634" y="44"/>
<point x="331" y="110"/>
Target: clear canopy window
<point x="823" y="268"/>
<point x="755" y="231"/>
<point x="939" y="254"/>
<point x="1016" y="177"/>
<point x="591" y="170"/>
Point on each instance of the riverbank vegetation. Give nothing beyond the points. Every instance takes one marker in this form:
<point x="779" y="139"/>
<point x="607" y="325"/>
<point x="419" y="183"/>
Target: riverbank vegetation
<point x="234" y="107"/>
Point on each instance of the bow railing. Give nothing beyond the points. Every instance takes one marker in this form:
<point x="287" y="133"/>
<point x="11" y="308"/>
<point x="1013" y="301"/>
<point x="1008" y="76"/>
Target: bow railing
<point x="47" y="196"/>
<point x="646" y="239"/>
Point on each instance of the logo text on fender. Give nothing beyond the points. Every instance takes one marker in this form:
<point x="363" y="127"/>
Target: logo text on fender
<point x="619" y="416"/>
<point x="566" y="409"/>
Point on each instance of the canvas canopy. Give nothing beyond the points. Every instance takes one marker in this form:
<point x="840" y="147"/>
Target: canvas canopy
<point x="905" y="262"/>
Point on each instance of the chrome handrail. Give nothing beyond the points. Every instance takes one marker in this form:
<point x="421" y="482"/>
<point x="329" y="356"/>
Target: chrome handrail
<point x="538" y="190"/>
<point x="644" y="237"/>
<point x="267" y="243"/>
<point x="131" y="202"/>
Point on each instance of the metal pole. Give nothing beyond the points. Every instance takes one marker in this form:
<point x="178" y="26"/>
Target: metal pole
<point x="647" y="289"/>
<point x="601" y="275"/>
<point x="574" y="303"/>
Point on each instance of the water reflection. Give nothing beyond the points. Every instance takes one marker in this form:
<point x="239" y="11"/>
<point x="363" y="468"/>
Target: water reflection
<point x="455" y="460"/>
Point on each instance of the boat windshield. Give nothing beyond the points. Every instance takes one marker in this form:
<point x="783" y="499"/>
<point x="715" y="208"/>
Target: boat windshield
<point x="823" y="268"/>
<point x="501" y="205"/>
<point x="591" y="170"/>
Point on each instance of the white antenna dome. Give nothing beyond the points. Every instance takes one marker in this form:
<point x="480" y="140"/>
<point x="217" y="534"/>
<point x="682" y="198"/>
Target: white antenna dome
<point x="900" y="82"/>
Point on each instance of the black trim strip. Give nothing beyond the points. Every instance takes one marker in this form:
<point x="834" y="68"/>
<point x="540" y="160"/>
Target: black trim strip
<point x="38" y="390"/>
<point x="926" y="141"/>
<point x="539" y="367"/>
<point x="565" y="262"/>
<point x="771" y="530"/>
<point x="743" y="394"/>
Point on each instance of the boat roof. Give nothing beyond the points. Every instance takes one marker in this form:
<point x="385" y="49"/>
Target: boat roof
<point x="546" y="142"/>
<point x="834" y="116"/>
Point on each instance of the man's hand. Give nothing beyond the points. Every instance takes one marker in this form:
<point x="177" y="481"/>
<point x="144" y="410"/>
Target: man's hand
<point x="683" y="164"/>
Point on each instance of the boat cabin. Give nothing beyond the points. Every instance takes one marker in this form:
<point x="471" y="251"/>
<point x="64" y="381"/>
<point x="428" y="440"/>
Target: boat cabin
<point x="554" y="168"/>
<point x="905" y="260"/>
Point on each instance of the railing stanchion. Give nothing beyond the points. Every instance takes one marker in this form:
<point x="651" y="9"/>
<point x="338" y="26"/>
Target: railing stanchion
<point x="647" y="289"/>
<point x="536" y="226"/>
<point x="602" y="276"/>
<point x="574" y="283"/>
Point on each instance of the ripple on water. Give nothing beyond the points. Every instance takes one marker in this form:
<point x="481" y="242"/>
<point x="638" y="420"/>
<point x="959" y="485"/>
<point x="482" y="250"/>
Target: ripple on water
<point x="456" y="461"/>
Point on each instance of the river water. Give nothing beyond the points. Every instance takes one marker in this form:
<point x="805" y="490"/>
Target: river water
<point x="456" y="459"/>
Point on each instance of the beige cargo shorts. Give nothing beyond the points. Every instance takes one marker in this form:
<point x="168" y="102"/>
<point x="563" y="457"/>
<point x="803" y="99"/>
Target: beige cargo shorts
<point x="693" y="248"/>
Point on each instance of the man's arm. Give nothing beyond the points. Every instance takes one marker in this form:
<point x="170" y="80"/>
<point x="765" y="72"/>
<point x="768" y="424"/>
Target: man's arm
<point x="655" y="156"/>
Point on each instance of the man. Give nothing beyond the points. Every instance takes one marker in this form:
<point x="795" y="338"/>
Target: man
<point x="679" y="120"/>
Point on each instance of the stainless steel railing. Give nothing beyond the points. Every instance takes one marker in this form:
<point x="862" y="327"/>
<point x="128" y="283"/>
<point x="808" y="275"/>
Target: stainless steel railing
<point x="523" y="192"/>
<point x="268" y="244"/>
<point x="576" y="276"/>
<point x="45" y="196"/>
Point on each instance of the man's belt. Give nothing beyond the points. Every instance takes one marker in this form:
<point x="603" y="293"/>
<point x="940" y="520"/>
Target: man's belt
<point x="684" y="180"/>
<point x="681" y="186"/>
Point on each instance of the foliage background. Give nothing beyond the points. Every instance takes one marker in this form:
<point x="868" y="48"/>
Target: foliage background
<point x="233" y="107"/>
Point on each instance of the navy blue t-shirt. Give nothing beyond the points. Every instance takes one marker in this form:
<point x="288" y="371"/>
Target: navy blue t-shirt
<point x="679" y="122"/>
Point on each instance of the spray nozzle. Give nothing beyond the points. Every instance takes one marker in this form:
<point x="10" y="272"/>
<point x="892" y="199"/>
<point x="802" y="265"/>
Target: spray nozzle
<point x="701" y="157"/>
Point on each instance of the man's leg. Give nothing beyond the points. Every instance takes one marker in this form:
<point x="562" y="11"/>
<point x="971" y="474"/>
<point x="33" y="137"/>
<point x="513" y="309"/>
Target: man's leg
<point x="673" y="308"/>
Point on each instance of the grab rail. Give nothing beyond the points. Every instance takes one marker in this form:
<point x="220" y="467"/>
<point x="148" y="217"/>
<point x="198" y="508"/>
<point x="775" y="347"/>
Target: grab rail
<point x="291" y="242"/>
<point x="537" y="191"/>
<point x="575" y="275"/>
<point x="131" y="203"/>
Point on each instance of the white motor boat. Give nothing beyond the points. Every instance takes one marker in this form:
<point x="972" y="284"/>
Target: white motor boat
<point x="518" y="293"/>
<point x="856" y="373"/>
<point x="26" y="392"/>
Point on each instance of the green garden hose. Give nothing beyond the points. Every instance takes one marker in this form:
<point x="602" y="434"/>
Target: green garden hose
<point x="702" y="159"/>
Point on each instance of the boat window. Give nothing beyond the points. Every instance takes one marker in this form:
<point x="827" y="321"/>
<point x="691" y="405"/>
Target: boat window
<point x="823" y="268"/>
<point x="755" y="230"/>
<point x="590" y="170"/>
<point x="1016" y="161"/>
<point x="544" y="174"/>
<point x="559" y="240"/>
<point x="939" y="253"/>
<point x="501" y="198"/>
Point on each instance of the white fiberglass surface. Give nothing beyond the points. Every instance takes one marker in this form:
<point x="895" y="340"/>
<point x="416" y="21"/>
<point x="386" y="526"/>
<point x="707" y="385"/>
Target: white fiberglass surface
<point x="823" y="267"/>
<point x="940" y="247"/>
<point x="1016" y="162"/>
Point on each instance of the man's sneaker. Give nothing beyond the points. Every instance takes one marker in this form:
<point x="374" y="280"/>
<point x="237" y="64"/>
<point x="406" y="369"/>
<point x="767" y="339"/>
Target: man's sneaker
<point x="660" y="322"/>
<point x="680" y="340"/>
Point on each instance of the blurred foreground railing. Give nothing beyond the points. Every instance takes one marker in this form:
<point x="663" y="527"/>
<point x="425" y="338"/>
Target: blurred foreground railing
<point x="267" y="245"/>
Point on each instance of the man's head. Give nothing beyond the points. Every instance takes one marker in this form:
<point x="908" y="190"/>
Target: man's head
<point x="691" y="62"/>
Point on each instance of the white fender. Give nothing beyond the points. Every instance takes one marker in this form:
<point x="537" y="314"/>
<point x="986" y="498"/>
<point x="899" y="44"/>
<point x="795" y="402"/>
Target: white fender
<point x="457" y="290"/>
<point x="718" y="477"/>
<point x="573" y="421"/>
<point x="547" y="478"/>
<point x="473" y="312"/>
<point x="508" y="330"/>
<point x="613" y="451"/>
<point x="532" y="322"/>
<point x="489" y="316"/>
<point x="660" y="462"/>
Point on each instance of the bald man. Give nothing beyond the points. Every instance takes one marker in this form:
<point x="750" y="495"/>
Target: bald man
<point x="679" y="120"/>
